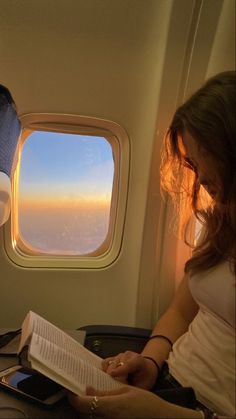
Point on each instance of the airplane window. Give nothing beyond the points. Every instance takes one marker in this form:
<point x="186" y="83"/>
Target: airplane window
<point x="64" y="193"/>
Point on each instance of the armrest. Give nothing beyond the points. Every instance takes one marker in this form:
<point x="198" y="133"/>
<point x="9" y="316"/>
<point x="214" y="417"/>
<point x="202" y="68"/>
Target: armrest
<point x="106" y="341"/>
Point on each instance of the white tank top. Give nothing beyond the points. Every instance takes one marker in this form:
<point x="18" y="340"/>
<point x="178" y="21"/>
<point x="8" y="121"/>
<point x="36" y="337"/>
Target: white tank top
<point x="204" y="357"/>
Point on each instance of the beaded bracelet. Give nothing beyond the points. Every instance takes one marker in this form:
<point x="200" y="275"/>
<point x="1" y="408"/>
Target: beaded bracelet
<point x="154" y="362"/>
<point x="161" y="337"/>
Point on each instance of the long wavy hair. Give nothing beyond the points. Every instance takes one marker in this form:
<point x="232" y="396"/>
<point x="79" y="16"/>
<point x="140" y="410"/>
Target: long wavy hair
<point x="209" y="116"/>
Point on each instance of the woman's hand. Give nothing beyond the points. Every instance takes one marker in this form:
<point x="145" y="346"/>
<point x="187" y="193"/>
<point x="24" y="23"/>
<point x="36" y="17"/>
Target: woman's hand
<point x="128" y="403"/>
<point x="130" y="367"/>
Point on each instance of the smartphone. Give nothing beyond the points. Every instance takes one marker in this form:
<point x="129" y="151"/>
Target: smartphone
<point x="31" y="385"/>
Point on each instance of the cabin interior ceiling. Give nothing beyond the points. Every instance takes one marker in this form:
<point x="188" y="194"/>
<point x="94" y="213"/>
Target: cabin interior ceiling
<point x="116" y="60"/>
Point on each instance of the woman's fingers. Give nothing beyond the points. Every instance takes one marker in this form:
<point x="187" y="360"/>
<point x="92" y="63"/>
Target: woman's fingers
<point x="131" y="367"/>
<point x="122" y="364"/>
<point x="115" y="360"/>
<point x="110" y="363"/>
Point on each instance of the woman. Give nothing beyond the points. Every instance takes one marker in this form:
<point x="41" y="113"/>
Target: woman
<point x="190" y="358"/>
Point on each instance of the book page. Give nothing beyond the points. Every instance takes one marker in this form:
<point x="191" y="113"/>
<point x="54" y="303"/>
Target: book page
<point x="66" y="369"/>
<point x="26" y="330"/>
<point x="37" y="324"/>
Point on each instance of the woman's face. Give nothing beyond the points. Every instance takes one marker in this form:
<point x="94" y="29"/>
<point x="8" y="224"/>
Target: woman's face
<point x="203" y="165"/>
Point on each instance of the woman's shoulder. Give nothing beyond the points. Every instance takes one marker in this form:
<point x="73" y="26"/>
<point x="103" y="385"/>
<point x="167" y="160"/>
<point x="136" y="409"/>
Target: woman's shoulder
<point x="214" y="289"/>
<point x="221" y="271"/>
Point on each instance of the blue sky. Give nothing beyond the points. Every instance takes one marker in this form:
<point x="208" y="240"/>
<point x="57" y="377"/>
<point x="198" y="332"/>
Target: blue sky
<point x="54" y="164"/>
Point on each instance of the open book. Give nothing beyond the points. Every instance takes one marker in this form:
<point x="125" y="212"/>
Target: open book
<point x="53" y="353"/>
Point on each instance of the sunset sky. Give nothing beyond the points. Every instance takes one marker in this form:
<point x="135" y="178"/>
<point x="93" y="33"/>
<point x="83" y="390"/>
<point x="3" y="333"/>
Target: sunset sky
<point x="66" y="167"/>
<point x="65" y="187"/>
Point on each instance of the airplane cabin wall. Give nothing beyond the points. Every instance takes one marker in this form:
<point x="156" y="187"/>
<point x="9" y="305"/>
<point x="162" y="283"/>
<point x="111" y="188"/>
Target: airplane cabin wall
<point x="101" y="59"/>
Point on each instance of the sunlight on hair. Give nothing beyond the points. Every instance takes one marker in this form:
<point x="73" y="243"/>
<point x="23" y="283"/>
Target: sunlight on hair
<point x="190" y="199"/>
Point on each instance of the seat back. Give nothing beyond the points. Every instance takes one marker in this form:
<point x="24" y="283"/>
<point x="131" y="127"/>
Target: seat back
<point x="106" y="341"/>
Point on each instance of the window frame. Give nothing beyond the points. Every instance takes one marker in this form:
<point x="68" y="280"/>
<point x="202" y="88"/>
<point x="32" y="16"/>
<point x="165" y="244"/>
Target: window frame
<point x="80" y="125"/>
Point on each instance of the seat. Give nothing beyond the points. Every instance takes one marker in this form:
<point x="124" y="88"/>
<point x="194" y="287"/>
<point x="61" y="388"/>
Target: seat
<point x="106" y="341"/>
<point x="10" y="128"/>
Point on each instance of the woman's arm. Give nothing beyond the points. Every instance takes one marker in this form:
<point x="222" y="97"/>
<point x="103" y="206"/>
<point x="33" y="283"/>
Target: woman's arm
<point x="130" y="402"/>
<point x="172" y="324"/>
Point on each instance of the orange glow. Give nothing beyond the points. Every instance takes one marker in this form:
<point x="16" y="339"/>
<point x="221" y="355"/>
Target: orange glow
<point x="180" y="180"/>
<point x="59" y="202"/>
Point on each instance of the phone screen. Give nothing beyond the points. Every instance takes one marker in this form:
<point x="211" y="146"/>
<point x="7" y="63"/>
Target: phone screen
<point x="31" y="384"/>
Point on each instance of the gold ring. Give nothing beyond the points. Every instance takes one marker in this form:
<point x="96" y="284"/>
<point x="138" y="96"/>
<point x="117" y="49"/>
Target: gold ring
<point x="93" y="407"/>
<point x="120" y="364"/>
<point x="111" y="362"/>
